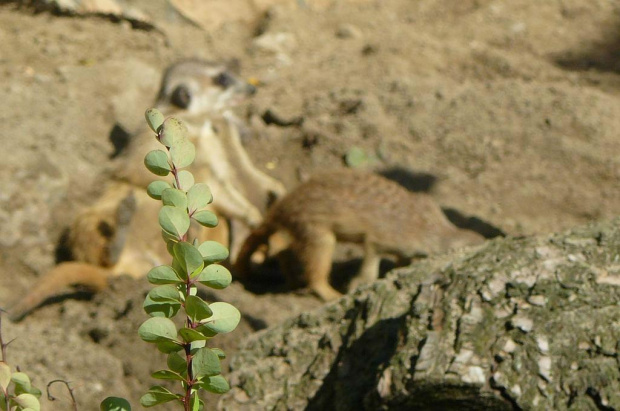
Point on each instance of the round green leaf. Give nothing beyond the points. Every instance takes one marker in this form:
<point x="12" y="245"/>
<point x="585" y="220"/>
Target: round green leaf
<point x="157" y="162"/>
<point x="205" y="218"/>
<point x="177" y="363"/>
<point x="27" y="401"/>
<point x="174" y="220"/>
<point x="172" y="131"/>
<point x="205" y="363"/>
<point x="167" y="375"/>
<point x="169" y="237"/>
<point x="163" y="274"/>
<point x="158" y="395"/>
<point x="216" y="384"/>
<point x="170" y="246"/>
<point x="206" y="332"/>
<point x="219" y="353"/>
<point x="186" y="180"/>
<point x="157" y="329"/>
<point x="188" y="258"/>
<point x="355" y="157"/>
<point x="197" y="309"/>
<point x="22" y="384"/>
<point x="198" y="197"/>
<point x="115" y="404"/>
<point x="182" y="153"/>
<point x="166" y="309"/>
<point x="197" y="404"/>
<point x="213" y="252"/>
<point x="168" y="347"/>
<point x="174" y="197"/>
<point x="215" y="276"/>
<point x="189" y="335"/>
<point x="154" y="118"/>
<point x="155" y="189"/>
<point x="165" y="293"/>
<point x="5" y="375"/>
<point x="225" y="318"/>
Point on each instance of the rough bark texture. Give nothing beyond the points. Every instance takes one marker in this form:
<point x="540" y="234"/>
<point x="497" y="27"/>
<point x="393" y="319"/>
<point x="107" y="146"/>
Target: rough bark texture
<point x="520" y="323"/>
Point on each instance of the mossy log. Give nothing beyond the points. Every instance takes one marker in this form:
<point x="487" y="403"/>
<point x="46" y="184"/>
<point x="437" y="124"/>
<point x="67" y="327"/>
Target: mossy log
<point x="517" y="323"/>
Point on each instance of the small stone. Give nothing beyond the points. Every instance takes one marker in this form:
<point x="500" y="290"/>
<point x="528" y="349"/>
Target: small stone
<point x="576" y="257"/>
<point x="474" y="375"/>
<point x="543" y="344"/>
<point x="544" y="367"/>
<point x="497" y="286"/>
<point x="464" y="356"/>
<point x="347" y="31"/>
<point x="538" y="300"/>
<point x="510" y="346"/>
<point x="580" y="242"/>
<point x="523" y="323"/>
<point x="385" y="383"/>
<point x="583" y="346"/>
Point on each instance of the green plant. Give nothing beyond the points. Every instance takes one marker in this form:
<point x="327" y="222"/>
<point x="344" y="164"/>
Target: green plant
<point x="190" y="362"/>
<point x="16" y="391"/>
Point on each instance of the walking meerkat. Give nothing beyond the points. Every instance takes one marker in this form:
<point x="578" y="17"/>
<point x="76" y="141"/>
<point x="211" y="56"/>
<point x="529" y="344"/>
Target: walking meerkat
<point x="119" y="234"/>
<point x="303" y="227"/>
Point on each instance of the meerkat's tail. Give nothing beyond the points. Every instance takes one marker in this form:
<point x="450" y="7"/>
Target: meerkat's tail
<point x="57" y="281"/>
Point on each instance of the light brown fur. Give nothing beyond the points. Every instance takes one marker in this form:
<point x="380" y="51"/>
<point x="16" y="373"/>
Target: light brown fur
<point x="119" y="234"/>
<point x="351" y="206"/>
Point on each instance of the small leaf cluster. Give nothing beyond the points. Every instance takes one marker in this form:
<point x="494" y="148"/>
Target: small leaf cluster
<point x="190" y="361"/>
<point x="16" y="391"/>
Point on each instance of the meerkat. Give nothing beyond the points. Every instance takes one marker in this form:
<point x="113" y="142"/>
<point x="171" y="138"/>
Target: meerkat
<point x="119" y="234"/>
<point x="302" y="228"/>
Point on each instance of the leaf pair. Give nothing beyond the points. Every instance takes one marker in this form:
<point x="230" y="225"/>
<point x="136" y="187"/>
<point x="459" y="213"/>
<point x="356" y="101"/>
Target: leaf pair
<point x="24" y="395"/>
<point x="215" y="318"/>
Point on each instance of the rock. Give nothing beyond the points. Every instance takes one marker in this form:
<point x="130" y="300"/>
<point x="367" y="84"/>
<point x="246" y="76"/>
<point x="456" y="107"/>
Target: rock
<point x="428" y="337"/>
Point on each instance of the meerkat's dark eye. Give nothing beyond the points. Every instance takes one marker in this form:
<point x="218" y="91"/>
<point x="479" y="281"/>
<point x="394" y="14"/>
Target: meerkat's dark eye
<point x="224" y="80"/>
<point x="181" y="97"/>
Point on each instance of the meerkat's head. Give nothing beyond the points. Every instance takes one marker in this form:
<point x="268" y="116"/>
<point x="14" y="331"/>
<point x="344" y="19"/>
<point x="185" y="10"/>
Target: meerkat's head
<point x="198" y="86"/>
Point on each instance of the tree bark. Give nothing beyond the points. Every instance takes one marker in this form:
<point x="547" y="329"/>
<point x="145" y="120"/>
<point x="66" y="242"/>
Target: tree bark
<point x="517" y="323"/>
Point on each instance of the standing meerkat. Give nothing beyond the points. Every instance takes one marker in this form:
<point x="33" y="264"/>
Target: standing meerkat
<point x="119" y="233"/>
<point x="350" y="206"/>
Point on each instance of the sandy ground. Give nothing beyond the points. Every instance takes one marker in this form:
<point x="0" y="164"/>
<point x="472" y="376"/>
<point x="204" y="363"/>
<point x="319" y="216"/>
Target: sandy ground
<point x="511" y="108"/>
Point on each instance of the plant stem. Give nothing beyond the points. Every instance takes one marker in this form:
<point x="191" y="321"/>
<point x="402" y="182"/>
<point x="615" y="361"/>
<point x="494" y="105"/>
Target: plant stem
<point x="2" y="344"/>
<point x="52" y="398"/>
<point x="3" y="359"/>
<point x="188" y="354"/>
<point x="175" y="173"/>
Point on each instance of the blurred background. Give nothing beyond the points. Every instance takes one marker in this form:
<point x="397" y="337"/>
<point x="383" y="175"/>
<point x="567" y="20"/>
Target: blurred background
<point x="508" y="108"/>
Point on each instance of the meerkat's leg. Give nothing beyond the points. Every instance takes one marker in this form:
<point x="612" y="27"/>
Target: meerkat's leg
<point x="232" y="204"/>
<point x="369" y="271"/>
<point x="238" y="234"/>
<point x="315" y="252"/>
<point x="124" y="214"/>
